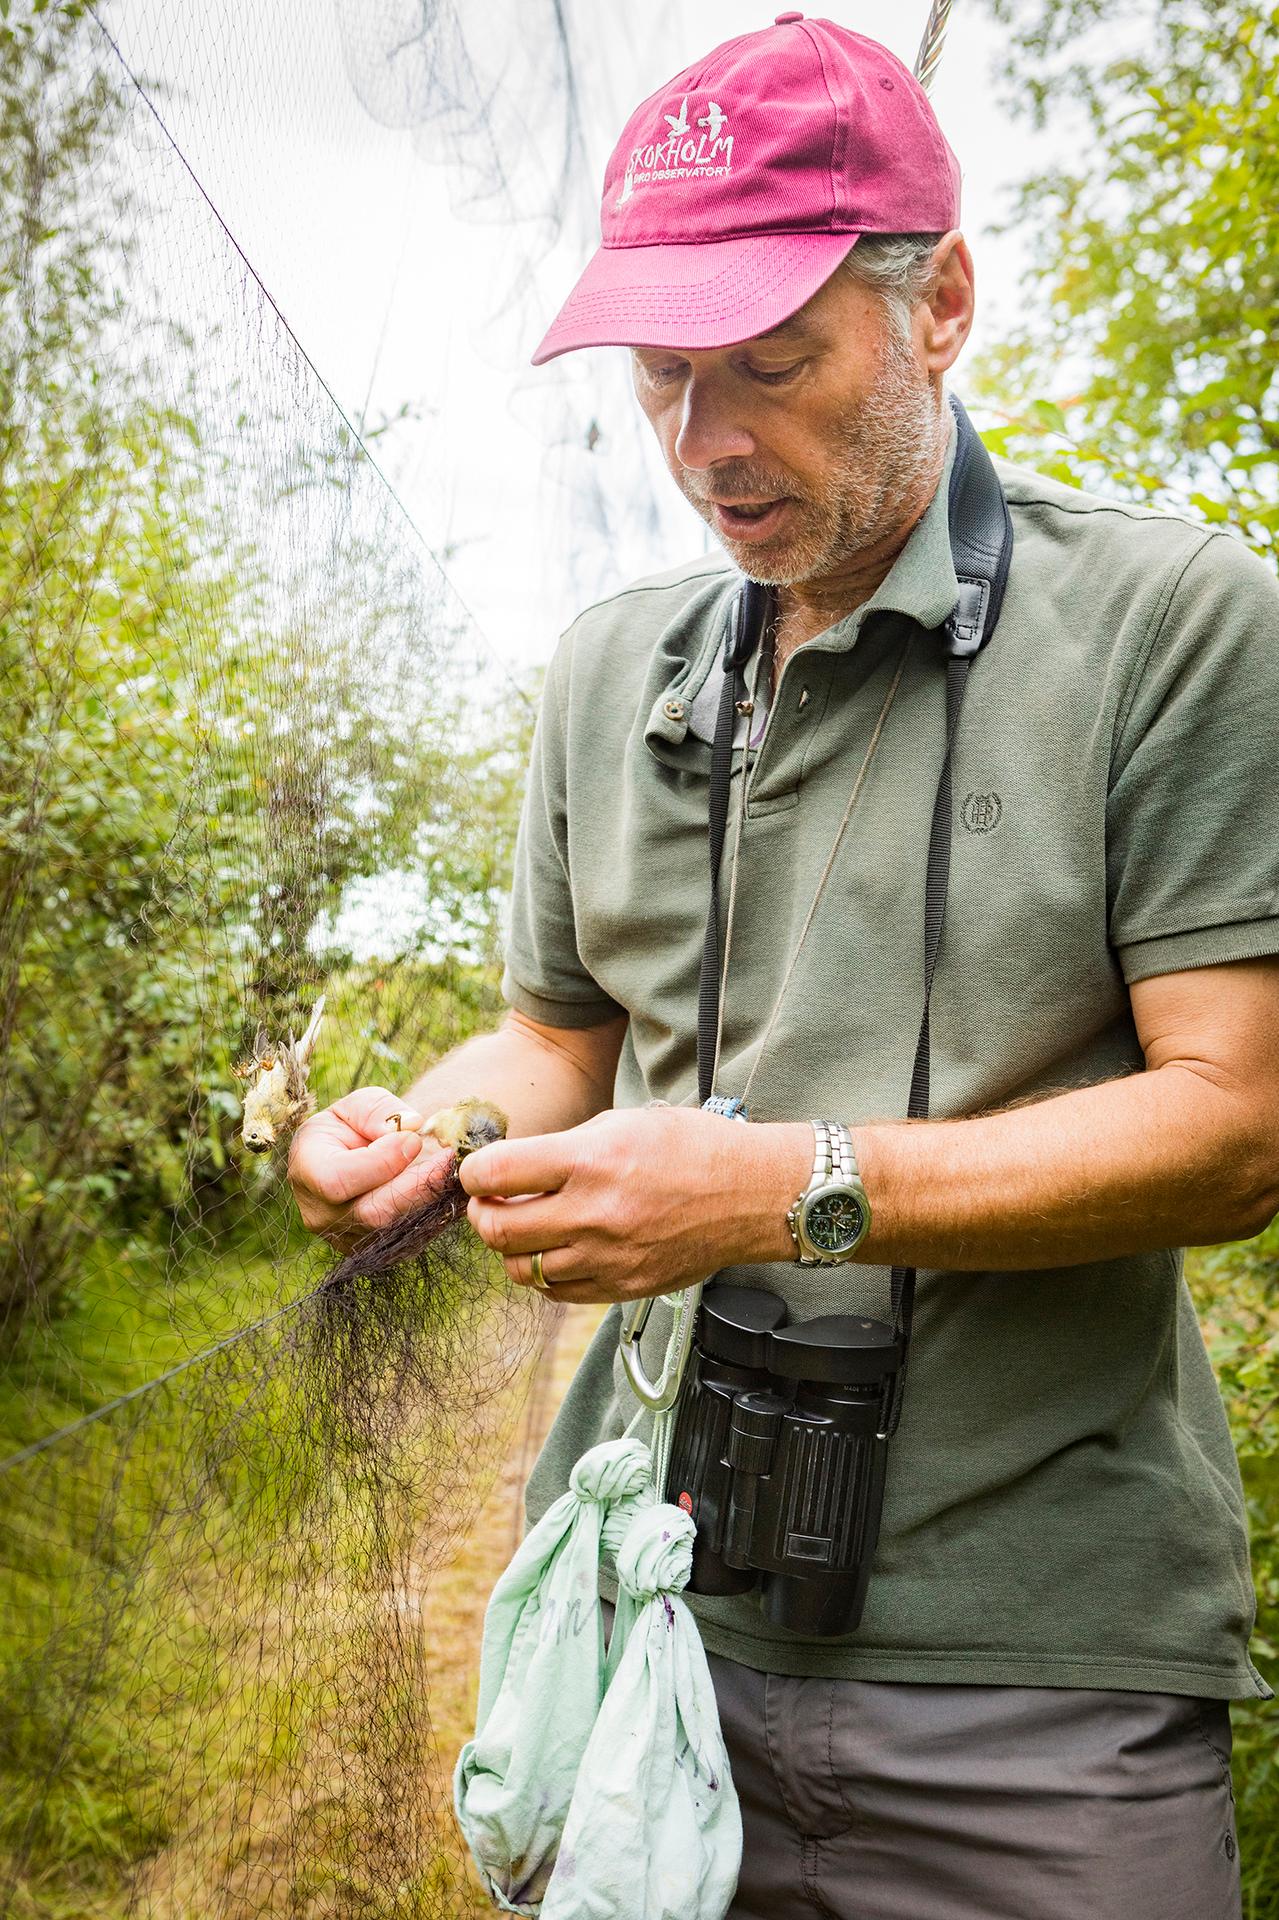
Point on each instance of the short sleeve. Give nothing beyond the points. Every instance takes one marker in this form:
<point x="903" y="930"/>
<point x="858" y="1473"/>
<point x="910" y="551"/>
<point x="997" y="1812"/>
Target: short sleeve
<point x="545" y="977"/>
<point x="1192" y="814"/>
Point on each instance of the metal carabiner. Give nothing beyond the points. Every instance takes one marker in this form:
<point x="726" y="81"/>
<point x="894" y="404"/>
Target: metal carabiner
<point x="663" y="1395"/>
<point x="664" y="1392"/>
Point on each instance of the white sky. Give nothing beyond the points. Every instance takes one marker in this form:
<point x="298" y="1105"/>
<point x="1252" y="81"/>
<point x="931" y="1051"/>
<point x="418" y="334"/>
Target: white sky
<point x="399" y="290"/>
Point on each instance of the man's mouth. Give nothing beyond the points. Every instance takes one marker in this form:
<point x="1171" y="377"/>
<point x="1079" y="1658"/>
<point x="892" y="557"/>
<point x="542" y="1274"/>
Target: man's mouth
<point x="748" y="519"/>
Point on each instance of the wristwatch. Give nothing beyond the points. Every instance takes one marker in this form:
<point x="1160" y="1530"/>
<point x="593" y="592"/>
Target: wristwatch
<point x="831" y="1217"/>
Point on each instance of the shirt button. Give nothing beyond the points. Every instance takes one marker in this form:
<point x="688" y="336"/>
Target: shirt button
<point x="674" y="709"/>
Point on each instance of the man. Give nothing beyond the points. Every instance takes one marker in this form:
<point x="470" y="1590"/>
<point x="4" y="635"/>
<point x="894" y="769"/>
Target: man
<point x="1031" y="1718"/>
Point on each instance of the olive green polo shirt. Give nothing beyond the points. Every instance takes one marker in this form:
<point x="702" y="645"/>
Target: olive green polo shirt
<point x="1063" y="1504"/>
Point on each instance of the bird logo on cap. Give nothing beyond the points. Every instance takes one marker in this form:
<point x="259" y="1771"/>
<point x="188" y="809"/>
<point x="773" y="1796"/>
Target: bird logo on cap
<point x="679" y="124"/>
<point x="683" y="152"/>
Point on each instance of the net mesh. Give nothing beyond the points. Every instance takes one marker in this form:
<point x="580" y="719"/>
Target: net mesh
<point x="253" y="749"/>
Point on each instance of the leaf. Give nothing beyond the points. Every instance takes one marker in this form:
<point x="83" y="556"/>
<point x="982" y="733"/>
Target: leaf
<point x="1049" y="414"/>
<point x="1214" y="510"/>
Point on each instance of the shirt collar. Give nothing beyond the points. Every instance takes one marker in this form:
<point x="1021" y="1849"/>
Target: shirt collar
<point x="921" y="583"/>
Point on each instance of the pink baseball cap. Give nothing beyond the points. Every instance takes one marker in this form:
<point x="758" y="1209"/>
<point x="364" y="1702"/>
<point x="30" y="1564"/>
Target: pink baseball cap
<point x="736" y="190"/>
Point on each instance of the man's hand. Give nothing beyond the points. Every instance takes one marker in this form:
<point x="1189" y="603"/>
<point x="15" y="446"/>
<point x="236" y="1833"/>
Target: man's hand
<point x="638" y="1201"/>
<point x="353" y="1171"/>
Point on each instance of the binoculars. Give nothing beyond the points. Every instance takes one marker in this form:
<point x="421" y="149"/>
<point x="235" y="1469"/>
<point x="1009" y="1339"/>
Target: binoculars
<point x="779" y="1452"/>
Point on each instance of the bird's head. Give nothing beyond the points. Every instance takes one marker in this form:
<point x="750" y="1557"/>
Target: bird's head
<point x="467" y="1126"/>
<point x="258" y="1135"/>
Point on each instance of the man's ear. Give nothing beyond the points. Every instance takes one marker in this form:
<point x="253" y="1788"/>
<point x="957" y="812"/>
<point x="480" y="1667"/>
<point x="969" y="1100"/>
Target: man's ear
<point x="944" y="317"/>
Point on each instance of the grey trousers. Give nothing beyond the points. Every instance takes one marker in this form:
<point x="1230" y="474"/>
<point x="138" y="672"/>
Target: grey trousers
<point x="867" y="1800"/>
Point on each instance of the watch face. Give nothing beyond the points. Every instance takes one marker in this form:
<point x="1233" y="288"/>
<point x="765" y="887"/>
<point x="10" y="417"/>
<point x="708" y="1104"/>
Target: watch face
<point x="834" y="1222"/>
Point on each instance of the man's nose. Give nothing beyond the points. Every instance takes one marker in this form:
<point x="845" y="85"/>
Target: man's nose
<point x="710" y="428"/>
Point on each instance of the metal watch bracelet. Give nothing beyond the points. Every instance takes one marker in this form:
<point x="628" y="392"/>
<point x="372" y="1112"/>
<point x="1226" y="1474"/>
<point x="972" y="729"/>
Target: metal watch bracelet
<point x="834" y="1165"/>
<point x="833" y="1156"/>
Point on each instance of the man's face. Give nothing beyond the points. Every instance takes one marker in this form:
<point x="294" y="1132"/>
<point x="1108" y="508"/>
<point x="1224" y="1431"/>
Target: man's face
<point x="799" y="446"/>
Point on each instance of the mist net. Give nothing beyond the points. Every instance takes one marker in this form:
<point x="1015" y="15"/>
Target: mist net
<point x="252" y="748"/>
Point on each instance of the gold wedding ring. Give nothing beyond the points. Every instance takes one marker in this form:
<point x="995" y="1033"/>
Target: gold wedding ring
<point x="539" y="1278"/>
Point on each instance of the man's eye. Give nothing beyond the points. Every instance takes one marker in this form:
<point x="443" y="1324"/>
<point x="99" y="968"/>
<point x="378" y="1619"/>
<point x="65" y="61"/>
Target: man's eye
<point x="768" y="377"/>
<point x="662" y="376"/>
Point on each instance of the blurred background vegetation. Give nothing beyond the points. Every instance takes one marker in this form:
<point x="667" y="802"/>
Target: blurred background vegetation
<point x="204" y="797"/>
<point x="248" y="752"/>
<point x="1145" y="367"/>
<point x="197" y="769"/>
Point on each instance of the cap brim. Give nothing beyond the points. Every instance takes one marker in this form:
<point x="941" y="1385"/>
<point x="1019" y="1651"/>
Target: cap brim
<point x="700" y="296"/>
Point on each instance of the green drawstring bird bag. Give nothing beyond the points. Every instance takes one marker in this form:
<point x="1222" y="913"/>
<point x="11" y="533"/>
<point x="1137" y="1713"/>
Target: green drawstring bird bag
<point x="654" y="1831"/>
<point x="616" y="1522"/>
<point x="541" y="1681"/>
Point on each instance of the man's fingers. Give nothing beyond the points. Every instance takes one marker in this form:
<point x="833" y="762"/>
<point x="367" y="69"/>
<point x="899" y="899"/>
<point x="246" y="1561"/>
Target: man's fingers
<point x="517" y="1226"/>
<point x="577" y="1293"/>
<point x="371" y="1112"/>
<point x="539" y="1164"/>
<point x="560" y="1268"/>
<point x="323" y="1161"/>
<point x="417" y="1184"/>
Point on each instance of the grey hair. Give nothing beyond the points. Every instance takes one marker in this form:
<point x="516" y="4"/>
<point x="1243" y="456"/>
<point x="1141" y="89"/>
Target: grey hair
<point x="898" y="266"/>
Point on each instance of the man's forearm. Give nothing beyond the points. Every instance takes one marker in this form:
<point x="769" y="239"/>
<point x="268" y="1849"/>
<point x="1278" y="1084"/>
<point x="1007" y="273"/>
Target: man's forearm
<point x="542" y="1085"/>
<point x="1155" y="1160"/>
<point x="1183" y="1153"/>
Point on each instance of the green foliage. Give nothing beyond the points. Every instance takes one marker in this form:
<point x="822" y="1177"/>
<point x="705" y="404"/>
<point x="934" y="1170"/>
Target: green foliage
<point x="1146" y="364"/>
<point x="1146" y="368"/>
<point x="91" y="1819"/>
<point x="226" y="753"/>
<point x="1236" y="1291"/>
<point x="220" y="752"/>
<point x="174" y="1690"/>
<point x="244" y="755"/>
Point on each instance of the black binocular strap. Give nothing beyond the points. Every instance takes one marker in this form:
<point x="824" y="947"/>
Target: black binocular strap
<point x="751" y="611"/>
<point x="902" y="1285"/>
<point x="981" y="548"/>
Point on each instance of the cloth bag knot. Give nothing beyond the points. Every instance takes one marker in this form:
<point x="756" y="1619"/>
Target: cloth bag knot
<point x="656" y="1554"/>
<point x="541" y="1682"/>
<point x="615" y="1470"/>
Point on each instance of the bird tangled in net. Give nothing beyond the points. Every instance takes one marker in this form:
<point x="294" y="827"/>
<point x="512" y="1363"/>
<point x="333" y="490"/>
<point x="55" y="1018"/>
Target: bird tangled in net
<point x="277" y="1097"/>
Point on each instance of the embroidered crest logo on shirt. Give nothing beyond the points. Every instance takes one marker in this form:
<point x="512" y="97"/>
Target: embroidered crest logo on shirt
<point x="696" y="149"/>
<point x="982" y="812"/>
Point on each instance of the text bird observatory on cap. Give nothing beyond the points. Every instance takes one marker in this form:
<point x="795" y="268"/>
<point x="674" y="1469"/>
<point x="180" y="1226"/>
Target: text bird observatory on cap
<point x="738" y="188"/>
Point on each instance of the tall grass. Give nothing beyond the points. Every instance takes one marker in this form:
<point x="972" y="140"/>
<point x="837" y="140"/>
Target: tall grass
<point x="229" y="1710"/>
<point x="1236" y="1292"/>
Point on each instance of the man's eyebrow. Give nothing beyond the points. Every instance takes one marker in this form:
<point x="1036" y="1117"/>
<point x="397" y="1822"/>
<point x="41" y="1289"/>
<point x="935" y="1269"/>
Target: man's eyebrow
<point x="794" y="325"/>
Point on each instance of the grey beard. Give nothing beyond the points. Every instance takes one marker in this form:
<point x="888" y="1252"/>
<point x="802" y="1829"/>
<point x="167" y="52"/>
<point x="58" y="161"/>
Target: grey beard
<point x="884" y="450"/>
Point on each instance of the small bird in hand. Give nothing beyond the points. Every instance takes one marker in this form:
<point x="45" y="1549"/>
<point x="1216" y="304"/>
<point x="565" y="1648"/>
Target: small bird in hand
<point x="278" y="1099"/>
<point x="466" y="1126"/>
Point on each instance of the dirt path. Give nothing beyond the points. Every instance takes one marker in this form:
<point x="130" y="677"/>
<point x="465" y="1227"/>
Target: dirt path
<point x="455" y="1599"/>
